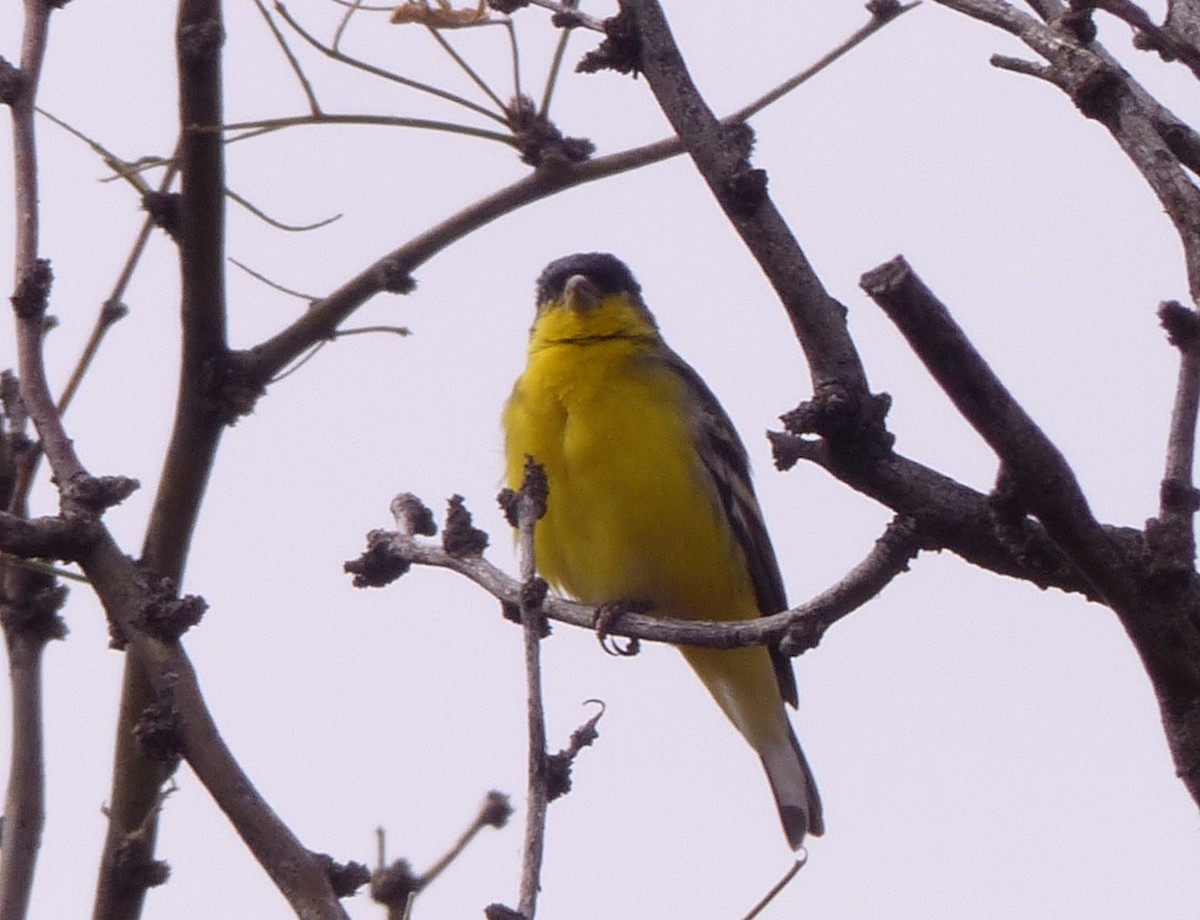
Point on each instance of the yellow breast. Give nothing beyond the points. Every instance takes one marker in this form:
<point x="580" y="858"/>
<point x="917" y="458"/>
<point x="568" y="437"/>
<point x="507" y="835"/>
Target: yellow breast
<point x="632" y="514"/>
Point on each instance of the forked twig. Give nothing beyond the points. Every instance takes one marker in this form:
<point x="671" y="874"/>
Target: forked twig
<point x="465" y="67"/>
<point x="341" y="57"/>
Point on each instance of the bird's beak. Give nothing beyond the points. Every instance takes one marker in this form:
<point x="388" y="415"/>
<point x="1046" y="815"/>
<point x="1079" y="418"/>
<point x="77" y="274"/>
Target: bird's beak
<point x="580" y="294"/>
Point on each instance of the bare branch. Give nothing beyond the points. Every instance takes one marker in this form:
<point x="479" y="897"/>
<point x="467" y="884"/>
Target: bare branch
<point x="1045" y="479"/>
<point x="465" y="67"/>
<point x="395" y="886"/>
<point x="571" y="16"/>
<point x="113" y="309"/>
<point x="47" y="537"/>
<point x="393" y="271"/>
<point x="129" y="596"/>
<point x="274" y="222"/>
<point x="721" y="154"/>
<point x="1159" y="615"/>
<point x="770" y="896"/>
<point x="390" y="554"/>
<point x="886" y="13"/>
<point x="1049" y="10"/>
<point x="313" y="106"/>
<point x="1171" y="537"/>
<point x="1183" y="329"/>
<point x="560" y="51"/>
<point x="1162" y="39"/>
<point x="953" y="516"/>
<point x="197" y="426"/>
<point x="33" y="276"/>
<point x="29" y="614"/>
<point x="530" y="508"/>
<point x="267" y="125"/>
<point x="898" y="544"/>
<point x="334" y="54"/>
<point x="1105" y="91"/>
<point x="263" y="362"/>
<point x="1183" y="19"/>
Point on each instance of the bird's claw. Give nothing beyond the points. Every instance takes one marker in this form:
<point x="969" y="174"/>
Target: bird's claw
<point x="606" y="618"/>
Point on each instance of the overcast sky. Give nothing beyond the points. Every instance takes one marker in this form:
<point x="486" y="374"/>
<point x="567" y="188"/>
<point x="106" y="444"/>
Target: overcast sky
<point x="984" y="750"/>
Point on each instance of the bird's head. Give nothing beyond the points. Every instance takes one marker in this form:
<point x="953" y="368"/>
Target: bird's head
<point x="590" y="295"/>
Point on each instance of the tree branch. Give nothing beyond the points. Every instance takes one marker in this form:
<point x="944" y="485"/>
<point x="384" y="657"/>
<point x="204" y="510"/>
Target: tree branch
<point x="29" y="615"/>
<point x="953" y="516"/>
<point x="1161" y="619"/>
<point x="25" y="593"/>
<point x="391" y="553"/>
<point x="1162" y="39"/>
<point x="531" y="507"/>
<point x="1105" y="91"/>
<point x="391" y="273"/>
<point x="180" y="724"/>
<point x="1044" y="478"/>
<point x="198" y="423"/>
<point x="721" y="154"/>
<point x="1171" y="536"/>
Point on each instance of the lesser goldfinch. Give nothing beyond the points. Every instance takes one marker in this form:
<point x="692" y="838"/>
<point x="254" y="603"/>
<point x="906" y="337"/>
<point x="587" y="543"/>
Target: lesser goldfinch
<point x="650" y="498"/>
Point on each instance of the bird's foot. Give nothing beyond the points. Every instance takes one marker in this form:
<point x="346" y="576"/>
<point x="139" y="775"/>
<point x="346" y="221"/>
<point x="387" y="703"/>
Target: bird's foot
<point x="607" y="616"/>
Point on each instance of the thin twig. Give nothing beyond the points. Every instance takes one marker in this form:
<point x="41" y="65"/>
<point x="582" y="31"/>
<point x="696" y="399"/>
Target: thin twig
<point x="305" y="85"/>
<point x="493" y="812"/>
<point x="530" y="507"/>
<point x="266" y="359"/>
<point x="259" y="276"/>
<point x="351" y="8"/>
<point x="777" y="887"/>
<point x="1171" y="536"/>
<point x="560" y="51"/>
<point x="876" y="23"/>
<point x="113" y="309"/>
<point x="1183" y="326"/>
<point x="466" y="68"/>
<point x="33" y="277"/>
<point x="514" y="55"/>
<point x="1104" y="90"/>
<point x="267" y="125"/>
<point x="300" y="361"/>
<point x="334" y="54"/>
<point x="276" y="223"/>
<point x="402" y="331"/>
<point x="122" y="169"/>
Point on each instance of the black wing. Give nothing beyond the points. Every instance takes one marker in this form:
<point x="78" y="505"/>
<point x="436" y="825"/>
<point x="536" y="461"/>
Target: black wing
<point x="728" y="466"/>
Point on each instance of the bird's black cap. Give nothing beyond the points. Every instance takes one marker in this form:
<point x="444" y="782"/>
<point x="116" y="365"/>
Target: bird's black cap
<point x="608" y="273"/>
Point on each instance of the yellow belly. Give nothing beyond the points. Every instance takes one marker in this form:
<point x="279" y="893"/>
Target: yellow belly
<point x="632" y="514"/>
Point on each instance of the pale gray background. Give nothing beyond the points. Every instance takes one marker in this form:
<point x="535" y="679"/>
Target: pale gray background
<point x="985" y="750"/>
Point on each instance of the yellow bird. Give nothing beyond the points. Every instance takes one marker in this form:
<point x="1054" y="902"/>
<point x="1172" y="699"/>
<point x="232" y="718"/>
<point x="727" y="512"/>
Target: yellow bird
<point x="650" y="498"/>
